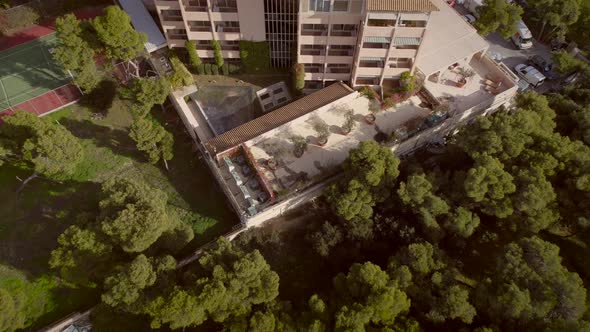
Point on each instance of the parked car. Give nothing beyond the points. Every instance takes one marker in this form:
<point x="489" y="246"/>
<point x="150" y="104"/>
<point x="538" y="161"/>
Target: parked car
<point x="544" y="65"/>
<point x="530" y="74"/>
<point x="469" y="18"/>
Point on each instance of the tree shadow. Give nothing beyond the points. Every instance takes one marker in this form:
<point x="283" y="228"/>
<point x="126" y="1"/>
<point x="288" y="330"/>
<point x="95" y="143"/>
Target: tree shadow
<point x="38" y="216"/>
<point x="100" y="100"/>
<point x="115" y="139"/>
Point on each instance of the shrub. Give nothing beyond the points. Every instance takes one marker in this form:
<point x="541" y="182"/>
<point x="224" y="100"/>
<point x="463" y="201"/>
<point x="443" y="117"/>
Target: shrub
<point x="217" y="53"/>
<point x="406" y="81"/>
<point x="255" y="56"/>
<point x="388" y="103"/>
<point x="201" y="69"/>
<point x="180" y="69"/>
<point x="193" y="56"/>
<point x="214" y="70"/>
<point x="175" y="80"/>
<point x="233" y="69"/>
<point x="225" y="69"/>
<point x="368" y="92"/>
<point x="349" y="123"/>
<point x="208" y="69"/>
<point x="299" y="145"/>
<point x="299" y="76"/>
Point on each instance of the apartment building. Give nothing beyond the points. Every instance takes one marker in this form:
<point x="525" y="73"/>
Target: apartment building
<point x="360" y="42"/>
<point x="230" y="21"/>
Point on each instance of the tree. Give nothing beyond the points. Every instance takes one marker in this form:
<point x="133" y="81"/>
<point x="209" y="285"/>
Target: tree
<point x="351" y="200"/>
<point x="299" y="77"/>
<point x="217" y="53"/>
<point x="372" y="164"/>
<point x="147" y="92"/>
<point x="74" y="53"/>
<point x="118" y="37"/>
<point x="566" y="63"/>
<point x="193" y="55"/>
<point x="48" y="147"/>
<point x="490" y="186"/>
<point x="498" y="15"/>
<point x="367" y="298"/>
<point x="453" y="303"/>
<point x="153" y="139"/>
<point x="325" y="238"/>
<point x="133" y="214"/>
<point x="462" y="222"/>
<point x="124" y="287"/>
<point x="12" y="313"/>
<point x="557" y="14"/>
<point x="530" y="285"/>
<point x="81" y="255"/>
<point x="232" y="284"/>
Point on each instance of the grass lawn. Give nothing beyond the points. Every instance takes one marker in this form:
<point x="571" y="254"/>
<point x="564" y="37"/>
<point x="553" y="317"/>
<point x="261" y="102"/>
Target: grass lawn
<point x="31" y="222"/>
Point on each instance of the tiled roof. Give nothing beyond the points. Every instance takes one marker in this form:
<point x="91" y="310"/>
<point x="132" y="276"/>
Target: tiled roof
<point x="401" y="5"/>
<point x="276" y="118"/>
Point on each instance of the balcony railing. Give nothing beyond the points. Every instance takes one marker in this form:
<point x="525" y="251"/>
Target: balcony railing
<point x="343" y="33"/>
<point x="220" y="28"/>
<point x="371" y="64"/>
<point x="313" y="69"/>
<point x="314" y="32"/>
<point x="338" y="70"/>
<point x="313" y="52"/>
<point x="177" y="36"/>
<point x="200" y="29"/>
<point x="340" y="52"/>
<point x="224" y="9"/>
<point x="173" y="18"/>
<point x="190" y="8"/>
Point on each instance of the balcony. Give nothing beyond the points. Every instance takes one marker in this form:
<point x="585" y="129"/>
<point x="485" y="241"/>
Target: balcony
<point x="177" y="36"/>
<point x="167" y="4"/>
<point x="380" y="23"/>
<point x="309" y="32"/>
<point x="172" y="18"/>
<point x="225" y="9"/>
<point x="313" y="39"/>
<point x="339" y="59"/>
<point x="337" y="76"/>
<point x="343" y="33"/>
<point x="314" y="76"/>
<point x="340" y="52"/>
<point x="310" y="58"/>
<point x="195" y="6"/>
<point x="409" y="32"/>
<point x="403" y="53"/>
<point x="378" y="31"/>
<point x="367" y="71"/>
<point x="373" y="52"/>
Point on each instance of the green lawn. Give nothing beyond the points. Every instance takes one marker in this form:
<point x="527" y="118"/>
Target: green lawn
<point x="31" y="222"/>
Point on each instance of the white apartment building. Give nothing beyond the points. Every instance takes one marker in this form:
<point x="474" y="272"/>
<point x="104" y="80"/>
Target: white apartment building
<point x="360" y="42"/>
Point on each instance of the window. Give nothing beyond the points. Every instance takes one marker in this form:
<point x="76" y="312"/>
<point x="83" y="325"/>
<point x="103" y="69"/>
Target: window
<point x="196" y="5"/>
<point x="372" y="62"/>
<point x="176" y="33"/>
<point x="228" y="6"/>
<point x="319" y="5"/>
<point x="400" y="63"/>
<point x="204" y="45"/>
<point x="343" y="30"/>
<point x="314" y="29"/>
<point x="313" y="49"/>
<point x="339" y="68"/>
<point x="341" y="50"/>
<point x="199" y="25"/>
<point x="227" y="26"/>
<point x="171" y="15"/>
<point x="229" y="45"/>
<point x="313" y="67"/>
<point x="367" y="80"/>
<point x="340" y="5"/>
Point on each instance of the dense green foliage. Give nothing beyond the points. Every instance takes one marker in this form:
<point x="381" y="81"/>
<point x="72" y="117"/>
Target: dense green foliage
<point x="152" y="139"/>
<point x="182" y="76"/>
<point x="117" y="36"/>
<point x="217" y="53"/>
<point x="299" y="77"/>
<point x="74" y="53"/>
<point x="193" y="56"/>
<point x="554" y="17"/>
<point x="145" y="93"/>
<point x="498" y="15"/>
<point x="48" y="147"/>
<point x="255" y="56"/>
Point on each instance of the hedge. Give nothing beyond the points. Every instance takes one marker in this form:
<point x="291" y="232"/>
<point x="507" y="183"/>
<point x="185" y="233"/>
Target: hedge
<point x="182" y="71"/>
<point x="255" y="56"/>
<point x="201" y="69"/>
<point x="217" y="53"/>
<point x="233" y="69"/>
<point x="193" y="55"/>
<point x="215" y="70"/>
<point x="225" y="69"/>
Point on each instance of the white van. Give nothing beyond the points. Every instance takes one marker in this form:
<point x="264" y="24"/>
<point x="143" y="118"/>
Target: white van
<point x="530" y="74"/>
<point x="523" y="38"/>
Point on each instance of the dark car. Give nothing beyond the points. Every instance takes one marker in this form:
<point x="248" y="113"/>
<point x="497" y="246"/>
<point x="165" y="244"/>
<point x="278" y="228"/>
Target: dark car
<point x="544" y="65"/>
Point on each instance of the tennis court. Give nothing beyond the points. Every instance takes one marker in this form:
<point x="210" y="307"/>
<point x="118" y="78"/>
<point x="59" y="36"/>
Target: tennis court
<point x="28" y="70"/>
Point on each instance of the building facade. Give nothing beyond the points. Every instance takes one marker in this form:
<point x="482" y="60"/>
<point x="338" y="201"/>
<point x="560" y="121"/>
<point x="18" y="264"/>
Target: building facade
<point x="360" y="42"/>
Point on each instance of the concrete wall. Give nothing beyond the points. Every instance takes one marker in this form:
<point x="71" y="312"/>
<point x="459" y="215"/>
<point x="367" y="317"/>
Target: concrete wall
<point x="251" y="17"/>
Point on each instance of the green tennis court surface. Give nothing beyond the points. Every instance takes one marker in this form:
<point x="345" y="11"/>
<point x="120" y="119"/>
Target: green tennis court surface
<point x="28" y="70"/>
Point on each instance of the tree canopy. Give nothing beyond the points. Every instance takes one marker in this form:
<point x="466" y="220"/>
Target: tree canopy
<point x="498" y="15"/>
<point x="116" y="34"/>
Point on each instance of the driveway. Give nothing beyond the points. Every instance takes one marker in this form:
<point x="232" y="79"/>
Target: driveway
<point x="511" y="56"/>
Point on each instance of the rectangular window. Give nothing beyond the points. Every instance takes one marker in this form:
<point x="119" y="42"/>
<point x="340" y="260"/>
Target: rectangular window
<point x="319" y="5"/>
<point x="313" y="67"/>
<point x="367" y="80"/>
<point x="339" y="68"/>
<point x="314" y="29"/>
<point x="343" y="30"/>
<point x="227" y="26"/>
<point x="204" y="45"/>
<point x="230" y="45"/>
<point x="176" y="33"/>
<point x="204" y="26"/>
<point x="196" y="5"/>
<point x="372" y="62"/>
<point x="171" y="15"/>
<point x="340" y="6"/>
<point x="224" y="6"/>
<point x="313" y="49"/>
<point x="341" y="50"/>
<point x="400" y="63"/>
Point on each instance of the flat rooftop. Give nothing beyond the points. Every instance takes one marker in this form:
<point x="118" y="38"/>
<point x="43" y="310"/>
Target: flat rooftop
<point x="320" y="161"/>
<point x="448" y="40"/>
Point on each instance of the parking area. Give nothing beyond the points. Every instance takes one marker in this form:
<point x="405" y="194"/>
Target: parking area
<point x="505" y="51"/>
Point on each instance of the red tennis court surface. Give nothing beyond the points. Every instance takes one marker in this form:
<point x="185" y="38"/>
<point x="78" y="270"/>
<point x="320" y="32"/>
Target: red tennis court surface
<point x="48" y="101"/>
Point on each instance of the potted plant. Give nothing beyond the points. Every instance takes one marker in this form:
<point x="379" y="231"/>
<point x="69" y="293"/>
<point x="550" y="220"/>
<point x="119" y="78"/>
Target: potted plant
<point x="387" y="103"/>
<point x="271" y="163"/>
<point x="299" y="145"/>
<point x="323" y="131"/>
<point x="465" y="74"/>
<point x="374" y="107"/>
<point x="349" y="123"/>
